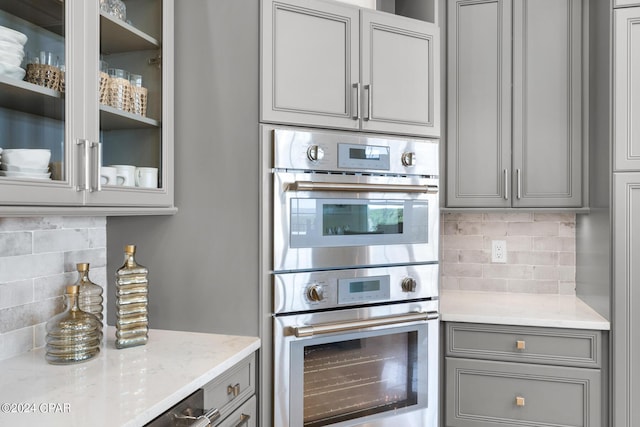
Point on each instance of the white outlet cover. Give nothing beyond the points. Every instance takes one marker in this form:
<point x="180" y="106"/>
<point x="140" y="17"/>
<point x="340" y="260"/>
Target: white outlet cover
<point x="499" y="251"/>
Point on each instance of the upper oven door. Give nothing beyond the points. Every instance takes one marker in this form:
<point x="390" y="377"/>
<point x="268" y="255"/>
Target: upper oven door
<point x="345" y="220"/>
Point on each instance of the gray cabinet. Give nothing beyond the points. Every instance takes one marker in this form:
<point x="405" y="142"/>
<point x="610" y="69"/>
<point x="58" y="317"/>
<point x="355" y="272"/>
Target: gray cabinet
<point x="70" y="114"/>
<point x="514" y="124"/>
<point x="626" y="218"/>
<point x="626" y="301"/>
<point x="522" y="376"/>
<point x="333" y="65"/>
<point x="626" y="106"/>
<point x="233" y="394"/>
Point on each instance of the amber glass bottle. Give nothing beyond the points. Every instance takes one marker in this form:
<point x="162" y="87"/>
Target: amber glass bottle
<point x="132" y="320"/>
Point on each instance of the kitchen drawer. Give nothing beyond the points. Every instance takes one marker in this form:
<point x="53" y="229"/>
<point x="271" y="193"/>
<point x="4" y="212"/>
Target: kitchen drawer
<point x="244" y="416"/>
<point x="483" y="393"/>
<point x="550" y="346"/>
<point x="232" y="388"/>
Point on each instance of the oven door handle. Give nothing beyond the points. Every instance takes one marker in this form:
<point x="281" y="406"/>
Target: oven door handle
<point x="360" y="188"/>
<point x="329" y="328"/>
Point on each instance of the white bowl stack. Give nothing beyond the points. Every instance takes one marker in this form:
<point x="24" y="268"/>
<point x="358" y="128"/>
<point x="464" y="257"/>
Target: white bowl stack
<point x="11" y="53"/>
<point x="25" y="163"/>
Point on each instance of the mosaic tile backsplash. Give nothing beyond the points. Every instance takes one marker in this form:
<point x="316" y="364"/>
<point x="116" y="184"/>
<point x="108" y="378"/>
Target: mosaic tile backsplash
<point x="38" y="259"/>
<point x="541" y="252"/>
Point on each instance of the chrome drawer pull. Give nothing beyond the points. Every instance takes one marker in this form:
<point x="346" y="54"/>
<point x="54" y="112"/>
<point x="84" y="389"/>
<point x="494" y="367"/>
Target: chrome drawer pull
<point x="519" y="401"/>
<point x="233" y="389"/>
<point x="187" y="420"/>
<point x="244" y="420"/>
<point x="520" y="345"/>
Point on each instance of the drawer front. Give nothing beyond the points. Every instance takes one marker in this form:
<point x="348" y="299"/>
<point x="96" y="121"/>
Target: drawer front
<point x="244" y="416"/>
<point x="482" y="393"/>
<point x="232" y="388"/>
<point x="551" y="346"/>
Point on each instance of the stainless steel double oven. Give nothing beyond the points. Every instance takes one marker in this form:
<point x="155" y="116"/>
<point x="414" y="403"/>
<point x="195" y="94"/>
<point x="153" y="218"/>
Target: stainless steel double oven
<point x="355" y="279"/>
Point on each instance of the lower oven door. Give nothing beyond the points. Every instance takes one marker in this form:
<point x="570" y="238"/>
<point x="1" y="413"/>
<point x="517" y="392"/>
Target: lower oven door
<point x="374" y="366"/>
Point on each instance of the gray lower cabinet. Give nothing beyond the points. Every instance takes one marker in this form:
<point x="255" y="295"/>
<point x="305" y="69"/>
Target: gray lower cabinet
<point x="522" y="376"/>
<point x="333" y="65"/>
<point x="626" y="300"/>
<point x="233" y="394"/>
<point x="514" y="126"/>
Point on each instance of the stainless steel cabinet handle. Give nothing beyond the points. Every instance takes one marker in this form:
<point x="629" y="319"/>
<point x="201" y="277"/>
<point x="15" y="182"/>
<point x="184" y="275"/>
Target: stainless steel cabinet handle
<point x="244" y="420"/>
<point x="209" y="417"/>
<point x="368" y="89"/>
<point x="341" y="186"/>
<point x="83" y="166"/>
<point x="329" y="328"/>
<point x="506" y="184"/>
<point x="233" y="389"/>
<point x="519" y="184"/>
<point x="97" y="163"/>
<point x="357" y="115"/>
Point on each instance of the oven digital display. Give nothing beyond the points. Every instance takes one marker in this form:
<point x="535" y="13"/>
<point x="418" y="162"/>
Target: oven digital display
<point x="359" y="290"/>
<point x="363" y="157"/>
<point x="364" y="286"/>
<point x="366" y="153"/>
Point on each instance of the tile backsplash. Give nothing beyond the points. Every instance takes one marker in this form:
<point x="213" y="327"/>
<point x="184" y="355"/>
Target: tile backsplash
<point x="38" y="259"/>
<point x="541" y="252"/>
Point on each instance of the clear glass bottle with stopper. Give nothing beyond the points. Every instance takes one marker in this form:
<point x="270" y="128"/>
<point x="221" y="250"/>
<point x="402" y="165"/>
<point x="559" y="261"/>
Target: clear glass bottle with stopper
<point x="74" y="335"/>
<point x="132" y="319"/>
<point x="90" y="299"/>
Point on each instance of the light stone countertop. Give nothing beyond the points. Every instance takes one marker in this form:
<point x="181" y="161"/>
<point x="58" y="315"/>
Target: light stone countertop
<point x="125" y="388"/>
<point x="546" y="310"/>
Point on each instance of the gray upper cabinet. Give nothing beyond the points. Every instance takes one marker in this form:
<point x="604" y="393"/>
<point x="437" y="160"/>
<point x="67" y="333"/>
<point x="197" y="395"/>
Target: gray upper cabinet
<point x="479" y="103"/>
<point x="70" y="112"/>
<point x="625" y="3"/>
<point x="333" y="65"/>
<point x="626" y="89"/>
<point x="514" y="104"/>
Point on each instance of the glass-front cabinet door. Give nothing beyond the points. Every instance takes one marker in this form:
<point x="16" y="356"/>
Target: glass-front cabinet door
<point x="40" y="49"/>
<point x="133" y="91"/>
<point x="86" y="91"/>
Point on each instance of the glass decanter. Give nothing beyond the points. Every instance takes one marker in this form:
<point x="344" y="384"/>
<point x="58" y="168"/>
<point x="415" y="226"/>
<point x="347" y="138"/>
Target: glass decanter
<point x="132" y="319"/>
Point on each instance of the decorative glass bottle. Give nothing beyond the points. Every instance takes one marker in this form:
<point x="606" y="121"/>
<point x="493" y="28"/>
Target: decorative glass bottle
<point x="74" y="335"/>
<point x="90" y="299"/>
<point x="132" y="320"/>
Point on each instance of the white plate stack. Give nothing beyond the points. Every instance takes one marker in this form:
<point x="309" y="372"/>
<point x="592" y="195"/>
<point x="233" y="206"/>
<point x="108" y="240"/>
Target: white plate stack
<point x="25" y="163"/>
<point x="11" y="53"/>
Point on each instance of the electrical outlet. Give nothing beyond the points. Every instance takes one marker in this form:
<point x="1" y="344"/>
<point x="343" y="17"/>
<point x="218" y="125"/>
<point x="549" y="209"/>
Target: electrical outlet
<point x="499" y="251"/>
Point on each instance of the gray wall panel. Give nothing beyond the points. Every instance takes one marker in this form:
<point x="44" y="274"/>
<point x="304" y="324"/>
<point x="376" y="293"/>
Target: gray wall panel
<point x="203" y="261"/>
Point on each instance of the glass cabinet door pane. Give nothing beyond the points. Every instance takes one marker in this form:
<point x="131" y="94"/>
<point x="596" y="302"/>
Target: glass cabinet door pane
<point x="32" y="87"/>
<point x="130" y="95"/>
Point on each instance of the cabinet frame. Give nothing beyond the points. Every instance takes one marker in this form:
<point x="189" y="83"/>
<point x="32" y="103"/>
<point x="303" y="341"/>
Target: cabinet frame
<point x="82" y="114"/>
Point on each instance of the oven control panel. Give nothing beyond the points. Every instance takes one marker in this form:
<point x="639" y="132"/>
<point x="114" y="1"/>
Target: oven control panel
<point x="318" y="290"/>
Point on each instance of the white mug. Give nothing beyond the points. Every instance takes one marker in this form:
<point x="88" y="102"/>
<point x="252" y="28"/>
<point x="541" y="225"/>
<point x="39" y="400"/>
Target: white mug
<point x="128" y="174"/>
<point x="109" y="176"/>
<point x="147" y="177"/>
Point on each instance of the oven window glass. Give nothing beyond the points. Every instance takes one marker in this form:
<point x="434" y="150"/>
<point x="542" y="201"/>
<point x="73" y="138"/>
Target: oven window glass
<point x="373" y="218"/>
<point x="351" y="379"/>
<point x="349" y="222"/>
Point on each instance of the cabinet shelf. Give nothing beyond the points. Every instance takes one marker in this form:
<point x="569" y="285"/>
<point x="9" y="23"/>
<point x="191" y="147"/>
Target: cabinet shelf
<point x="114" y="119"/>
<point x="117" y="36"/>
<point x="32" y="99"/>
<point x="48" y="14"/>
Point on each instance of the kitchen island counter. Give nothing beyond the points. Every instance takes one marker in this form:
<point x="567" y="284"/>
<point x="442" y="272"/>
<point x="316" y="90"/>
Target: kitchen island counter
<point x="127" y="387"/>
<point x="503" y="308"/>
